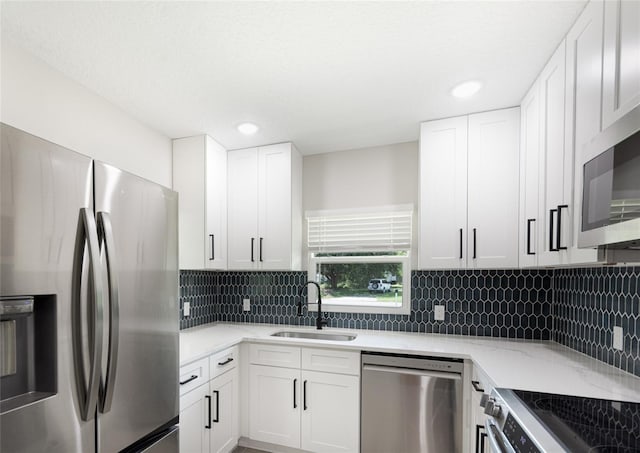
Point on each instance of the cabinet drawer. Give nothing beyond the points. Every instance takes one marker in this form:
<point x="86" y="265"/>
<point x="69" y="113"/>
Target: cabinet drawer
<point x="223" y="361"/>
<point x="274" y="355"/>
<point x="193" y="375"/>
<point x="331" y="361"/>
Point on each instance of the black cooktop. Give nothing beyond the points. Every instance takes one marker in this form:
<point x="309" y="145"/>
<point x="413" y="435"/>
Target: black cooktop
<point x="587" y="424"/>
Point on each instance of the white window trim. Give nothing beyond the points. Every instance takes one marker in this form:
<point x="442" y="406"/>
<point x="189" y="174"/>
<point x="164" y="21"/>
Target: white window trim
<point x="403" y="309"/>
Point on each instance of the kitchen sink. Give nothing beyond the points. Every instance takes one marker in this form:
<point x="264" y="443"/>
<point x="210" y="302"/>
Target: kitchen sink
<point x="316" y="336"/>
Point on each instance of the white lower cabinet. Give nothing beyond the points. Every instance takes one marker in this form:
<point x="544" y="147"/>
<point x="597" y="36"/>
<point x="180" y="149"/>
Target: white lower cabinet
<point x="274" y="405"/>
<point x="209" y="416"/>
<point x="194" y="436"/>
<point x="224" y="412"/>
<point x="481" y="385"/>
<point x="330" y="412"/>
<point x="305" y="408"/>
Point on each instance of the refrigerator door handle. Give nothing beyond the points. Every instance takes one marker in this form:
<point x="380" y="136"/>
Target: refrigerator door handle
<point x="87" y="391"/>
<point x="105" y="232"/>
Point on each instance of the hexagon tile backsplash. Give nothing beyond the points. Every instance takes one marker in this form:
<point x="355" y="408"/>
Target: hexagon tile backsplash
<point x="575" y="307"/>
<point x="589" y="302"/>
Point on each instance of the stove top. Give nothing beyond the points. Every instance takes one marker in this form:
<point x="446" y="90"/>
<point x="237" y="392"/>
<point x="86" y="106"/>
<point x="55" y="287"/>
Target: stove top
<point x="587" y="424"/>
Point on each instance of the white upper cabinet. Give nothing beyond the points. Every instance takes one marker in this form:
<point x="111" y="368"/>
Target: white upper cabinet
<point x="469" y="191"/>
<point x="443" y="194"/>
<point x="621" y="59"/>
<point x="555" y="177"/>
<point x="529" y="177"/>
<point x="583" y="117"/>
<point x="200" y="178"/>
<point x="242" y="210"/>
<point x="265" y="208"/>
<point x="492" y="200"/>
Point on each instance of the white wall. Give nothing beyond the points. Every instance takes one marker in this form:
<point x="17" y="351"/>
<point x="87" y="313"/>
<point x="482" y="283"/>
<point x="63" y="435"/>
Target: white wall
<point x="44" y="102"/>
<point x="383" y="175"/>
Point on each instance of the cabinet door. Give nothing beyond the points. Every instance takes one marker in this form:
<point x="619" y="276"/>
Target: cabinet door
<point x="274" y="204"/>
<point x="330" y="412"/>
<point x="275" y="402"/>
<point x="443" y="193"/>
<point x="189" y="180"/>
<point x="621" y="59"/>
<point x="215" y="239"/>
<point x="224" y="412"/>
<point x="493" y="157"/>
<point x="194" y="424"/>
<point x="529" y="177"/>
<point x="553" y="207"/>
<point x="242" y="209"/>
<point x="583" y="111"/>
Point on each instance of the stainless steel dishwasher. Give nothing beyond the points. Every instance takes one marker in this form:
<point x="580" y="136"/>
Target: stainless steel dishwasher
<point x="410" y="404"/>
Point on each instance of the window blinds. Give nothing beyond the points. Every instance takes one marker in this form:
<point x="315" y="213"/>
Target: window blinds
<point x="373" y="230"/>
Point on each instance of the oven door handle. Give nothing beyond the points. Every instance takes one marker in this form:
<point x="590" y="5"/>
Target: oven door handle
<point x="498" y="443"/>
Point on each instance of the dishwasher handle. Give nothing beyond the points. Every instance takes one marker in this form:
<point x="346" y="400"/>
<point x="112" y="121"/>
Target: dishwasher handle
<point x="413" y="372"/>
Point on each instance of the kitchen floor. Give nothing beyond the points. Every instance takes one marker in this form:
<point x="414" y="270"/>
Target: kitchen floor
<point x="247" y="450"/>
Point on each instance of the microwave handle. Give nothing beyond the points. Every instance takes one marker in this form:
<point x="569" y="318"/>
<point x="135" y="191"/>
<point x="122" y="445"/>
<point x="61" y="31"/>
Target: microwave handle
<point x="559" y="230"/>
<point x="551" y="228"/>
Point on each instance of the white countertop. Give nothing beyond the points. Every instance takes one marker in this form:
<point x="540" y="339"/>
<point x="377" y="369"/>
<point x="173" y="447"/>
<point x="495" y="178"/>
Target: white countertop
<point x="540" y="366"/>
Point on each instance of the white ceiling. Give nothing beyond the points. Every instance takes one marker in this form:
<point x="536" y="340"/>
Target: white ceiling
<point x="326" y="75"/>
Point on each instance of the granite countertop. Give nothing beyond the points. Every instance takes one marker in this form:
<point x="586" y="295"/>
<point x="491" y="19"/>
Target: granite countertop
<point x="541" y="366"/>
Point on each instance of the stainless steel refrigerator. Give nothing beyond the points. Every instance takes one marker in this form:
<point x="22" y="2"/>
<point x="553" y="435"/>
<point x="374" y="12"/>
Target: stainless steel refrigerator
<point x="88" y="304"/>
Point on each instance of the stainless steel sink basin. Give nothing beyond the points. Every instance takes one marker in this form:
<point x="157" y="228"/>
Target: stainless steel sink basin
<point x="316" y="336"/>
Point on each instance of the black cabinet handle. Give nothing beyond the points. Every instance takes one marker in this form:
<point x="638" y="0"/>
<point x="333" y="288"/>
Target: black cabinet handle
<point x="217" y="419"/>
<point x="551" y="247"/>
<point x="252" y="241"/>
<point x="304" y="395"/>
<point x="261" y="249"/>
<point x="229" y="360"/>
<point x="295" y="382"/>
<point x="559" y="231"/>
<point x="476" y="386"/>
<point x="474" y="244"/>
<point x="460" y="243"/>
<point x="213" y="248"/>
<point x="529" y="222"/>
<point x="193" y="377"/>
<point x="480" y="436"/>
<point x="208" y="425"/>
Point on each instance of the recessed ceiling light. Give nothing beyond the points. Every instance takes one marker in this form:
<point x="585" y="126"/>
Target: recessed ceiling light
<point x="247" y="128"/>
<point x="466" y="89"/>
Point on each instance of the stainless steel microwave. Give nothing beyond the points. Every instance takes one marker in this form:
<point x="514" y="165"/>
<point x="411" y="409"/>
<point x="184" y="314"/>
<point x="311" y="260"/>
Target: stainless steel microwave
<point x="611" y="186"/>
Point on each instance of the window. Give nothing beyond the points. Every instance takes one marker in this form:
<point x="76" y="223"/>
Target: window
<point x="361" y="259"/>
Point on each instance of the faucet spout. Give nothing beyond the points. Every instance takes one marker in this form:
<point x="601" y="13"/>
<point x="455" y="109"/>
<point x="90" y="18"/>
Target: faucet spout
<point x="319" y="320"/>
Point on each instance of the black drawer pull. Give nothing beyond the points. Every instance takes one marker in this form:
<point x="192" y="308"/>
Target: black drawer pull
<point x="559" y="230"/>
<point x="208" y="425"/>
<point x="217" y="419"/>
<point x="192" y="378"/>
<point x="475" y="255"/>
<point x="304" y="395"/>
<point x="476" y="386"/>
<point x="261" y="249"/>
<point x="229" y="360"/>
<point x="551" y="228"/>
<point x="529" y="222"/>
<point x="295" y="405"/>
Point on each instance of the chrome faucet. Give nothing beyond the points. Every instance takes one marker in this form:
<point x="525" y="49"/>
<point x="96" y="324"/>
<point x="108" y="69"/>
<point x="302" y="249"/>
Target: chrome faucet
<point x="319" y="320"/>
